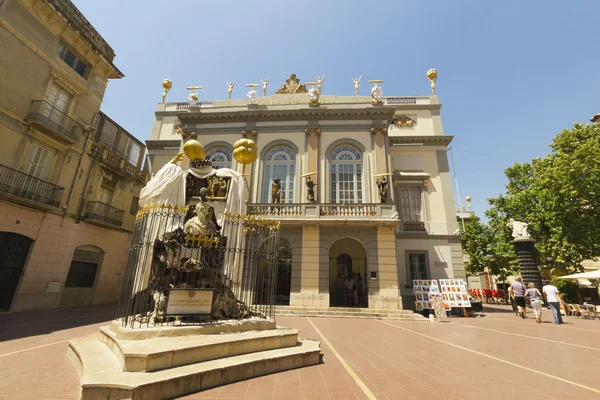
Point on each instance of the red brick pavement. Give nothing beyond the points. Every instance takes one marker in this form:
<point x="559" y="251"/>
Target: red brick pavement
<point x="461" y="359"/>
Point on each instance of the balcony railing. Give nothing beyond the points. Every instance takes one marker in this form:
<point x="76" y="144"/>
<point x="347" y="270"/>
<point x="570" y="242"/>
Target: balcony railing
<point x="323" y="211"/>
<point x="50" y="117"/>
<point x="412" y="226"/>
<point x="98" y="211"/>
<point x="22" y="185"/>
<point x="120" y="164"/>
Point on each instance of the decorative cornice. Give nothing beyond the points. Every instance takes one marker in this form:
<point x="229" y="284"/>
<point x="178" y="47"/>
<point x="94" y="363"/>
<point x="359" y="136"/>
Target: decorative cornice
<point x="430" y="140"/>
<point x="375" y="131"/>
<point x="316" y="131"/>
<point x="303" y="112"/>
<point x="161" y="144"/>
<point x="249" y="134"/>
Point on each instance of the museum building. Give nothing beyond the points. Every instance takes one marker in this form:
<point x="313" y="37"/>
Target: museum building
<point x="364" y="187"/>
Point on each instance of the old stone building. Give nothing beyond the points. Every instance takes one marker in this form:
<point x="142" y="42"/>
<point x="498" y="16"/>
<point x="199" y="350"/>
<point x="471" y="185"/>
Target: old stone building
<point x="345" y="219"/>
<point x="69" y="175"/>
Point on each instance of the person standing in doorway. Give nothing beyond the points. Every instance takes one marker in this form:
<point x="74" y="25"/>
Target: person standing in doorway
<point x="535" y="299"/>
<point x="349" y="290"/>
<point x="519" y="291"/>
<point x="553" y="298"/>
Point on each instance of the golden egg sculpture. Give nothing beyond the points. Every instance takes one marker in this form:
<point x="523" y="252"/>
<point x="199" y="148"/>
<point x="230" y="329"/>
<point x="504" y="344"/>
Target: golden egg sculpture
<point x="194" y="150"/>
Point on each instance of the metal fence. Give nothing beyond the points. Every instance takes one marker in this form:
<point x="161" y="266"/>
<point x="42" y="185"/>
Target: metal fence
<point x="28" y="187"/>
<point x="50" y="116"/>
<point x="233" y="269"/>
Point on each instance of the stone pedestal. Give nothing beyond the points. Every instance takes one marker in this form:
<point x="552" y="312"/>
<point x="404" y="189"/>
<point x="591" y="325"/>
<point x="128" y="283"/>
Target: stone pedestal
<point x="526" y="254"/>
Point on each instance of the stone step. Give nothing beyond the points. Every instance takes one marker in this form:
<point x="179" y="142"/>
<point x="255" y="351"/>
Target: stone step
<point x="405" y="317"/>
<point x="102" y="377"/>
<point x="342" y="309"/>
<point x="170" y="352"/>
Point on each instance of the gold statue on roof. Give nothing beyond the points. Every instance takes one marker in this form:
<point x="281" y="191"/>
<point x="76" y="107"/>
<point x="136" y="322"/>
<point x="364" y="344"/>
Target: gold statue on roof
<point x="292" y="85"/>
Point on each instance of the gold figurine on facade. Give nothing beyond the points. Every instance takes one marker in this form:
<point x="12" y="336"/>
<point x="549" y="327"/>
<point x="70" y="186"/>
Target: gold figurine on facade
<point x="265" y="82"/>
<point x="432" y="76"/>
<point x="167" y="85"/>
<point x="229" y="89"/>
<point x="319" y="80"/>
<point x="356" y="83"/>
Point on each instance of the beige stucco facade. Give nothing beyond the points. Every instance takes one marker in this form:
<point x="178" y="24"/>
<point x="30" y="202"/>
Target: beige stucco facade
<point x="69" y="176"/>
<point x="347" y="143"/>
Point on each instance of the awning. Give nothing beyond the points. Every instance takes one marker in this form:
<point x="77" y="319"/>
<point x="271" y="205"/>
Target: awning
<point x="586" y="275"/>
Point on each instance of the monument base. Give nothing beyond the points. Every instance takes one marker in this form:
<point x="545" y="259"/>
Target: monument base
<point x="167" y="362"/>
<point x="526" y="253"/>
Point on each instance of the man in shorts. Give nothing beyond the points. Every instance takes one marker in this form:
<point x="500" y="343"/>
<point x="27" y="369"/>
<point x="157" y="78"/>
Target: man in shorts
<point x="519" y="290"/>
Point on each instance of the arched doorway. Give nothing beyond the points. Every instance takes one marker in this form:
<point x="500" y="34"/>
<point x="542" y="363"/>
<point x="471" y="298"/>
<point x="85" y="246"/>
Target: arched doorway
<point x="348" y="267"/>
<point x="14" y="249"/>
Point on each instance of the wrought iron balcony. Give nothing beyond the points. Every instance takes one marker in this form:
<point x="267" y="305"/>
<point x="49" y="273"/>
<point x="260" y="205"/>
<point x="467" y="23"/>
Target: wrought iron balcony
<point x="20" y="184"/>
<point x="97" y="211"/>
<point x="413" y="226"/>
<point x="54" y="122"/>
<point x="348" y="211"/>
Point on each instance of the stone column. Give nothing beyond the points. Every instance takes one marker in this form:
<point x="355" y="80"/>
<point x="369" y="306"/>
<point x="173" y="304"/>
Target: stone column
<point x="310" y="273"/>
<point x="379" y="135"/>
<point x="384" y="292"/>
<point x="526" y="253"/>
<point x="312" y="163"/>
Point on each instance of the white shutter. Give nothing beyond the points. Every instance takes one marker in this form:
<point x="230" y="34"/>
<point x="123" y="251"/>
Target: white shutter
<point x="58" y="98"/>
<point x="38" y="161"/>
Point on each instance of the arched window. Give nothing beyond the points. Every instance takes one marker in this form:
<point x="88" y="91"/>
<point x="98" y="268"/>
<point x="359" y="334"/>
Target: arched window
<point x="220" y="157"/>
<point x="346" y="175"/>
<point x="280" y="163"/>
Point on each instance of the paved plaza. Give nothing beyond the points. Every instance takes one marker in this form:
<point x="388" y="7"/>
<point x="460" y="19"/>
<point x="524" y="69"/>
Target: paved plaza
<point x="497" y="356"/>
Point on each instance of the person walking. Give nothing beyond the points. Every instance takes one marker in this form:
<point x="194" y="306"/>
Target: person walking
<point x="519" y="291"/>
<point x="535" y="299"/>
<point x="554" y="298"/>
<point x="511" y="299"/>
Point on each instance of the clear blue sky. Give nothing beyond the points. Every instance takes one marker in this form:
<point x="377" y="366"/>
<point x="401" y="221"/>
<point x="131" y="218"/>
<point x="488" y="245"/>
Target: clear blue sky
<point x="512" y="74"/>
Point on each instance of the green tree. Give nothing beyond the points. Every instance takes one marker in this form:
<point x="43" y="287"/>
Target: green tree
<point x="486" y="246"/>
<point x="558" y="196"/>
<point x="568" y="288"/>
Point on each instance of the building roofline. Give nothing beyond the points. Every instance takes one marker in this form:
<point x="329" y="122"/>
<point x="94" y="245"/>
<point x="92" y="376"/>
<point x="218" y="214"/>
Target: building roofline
<point x="77" y="21"/>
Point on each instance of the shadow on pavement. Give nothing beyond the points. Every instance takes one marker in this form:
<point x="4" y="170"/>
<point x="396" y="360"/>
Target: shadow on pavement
<point x="33" y="323"/>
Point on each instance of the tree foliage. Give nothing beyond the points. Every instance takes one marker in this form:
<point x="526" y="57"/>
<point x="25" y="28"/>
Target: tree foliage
<point x="568" y="288"/>
<point x="487" y="246"/>
<point x="559" y="197"/>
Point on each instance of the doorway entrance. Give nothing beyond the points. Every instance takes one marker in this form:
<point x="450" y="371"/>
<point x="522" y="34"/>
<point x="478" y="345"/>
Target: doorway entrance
<point x="348" y="284"/>
<point x="13" y="254"/>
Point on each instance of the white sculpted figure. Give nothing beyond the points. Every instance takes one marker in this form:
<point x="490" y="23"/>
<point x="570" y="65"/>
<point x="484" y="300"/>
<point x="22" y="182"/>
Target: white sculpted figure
<point x="519" y="229"/>
<point x="197" y="224"/>
<point x="313" y="95"/>
<point x="319" y="81"/>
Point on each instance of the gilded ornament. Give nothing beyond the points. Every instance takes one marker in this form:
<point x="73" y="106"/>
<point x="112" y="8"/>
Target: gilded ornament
<point x="292" y="85"/>
<point x="432" y="76"/>
<point x="194" y="150"/>
<point x="356" y="83"/>
<point x="403" y="122"/>
<point x="167" y="85"/>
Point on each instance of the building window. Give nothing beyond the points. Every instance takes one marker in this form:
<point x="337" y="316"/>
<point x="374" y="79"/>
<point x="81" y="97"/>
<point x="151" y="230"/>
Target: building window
<point x="135" y="204"/>
<point x="346" y="175"/>
<point x="280" y="163"/>
<point x="84" y="268"/>
<point x="107" y="190"/>
<point x="417" y="266"/>
<point x="410" y="204"/>
<point x="71" y="59"/>
<point x="37" y="163"/>
<point x="220" y="158"/>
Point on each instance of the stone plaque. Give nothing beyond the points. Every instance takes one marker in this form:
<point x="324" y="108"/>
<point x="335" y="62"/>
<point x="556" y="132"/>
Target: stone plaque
<point x="190" y="302"/>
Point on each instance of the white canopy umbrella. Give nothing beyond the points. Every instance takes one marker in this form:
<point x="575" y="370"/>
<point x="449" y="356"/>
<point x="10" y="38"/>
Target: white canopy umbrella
<point x="583" y="275"/>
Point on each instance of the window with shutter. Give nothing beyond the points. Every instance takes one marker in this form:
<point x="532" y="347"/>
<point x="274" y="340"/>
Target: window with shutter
<point x="410" y="204"/>
<point x="38" y="161"/>
<point x="280" y="163"/>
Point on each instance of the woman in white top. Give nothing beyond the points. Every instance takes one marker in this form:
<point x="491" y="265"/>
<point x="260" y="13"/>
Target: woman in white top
<point x="535" y="298"/>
